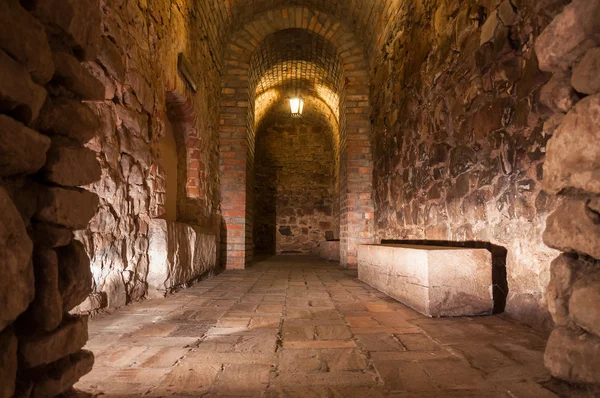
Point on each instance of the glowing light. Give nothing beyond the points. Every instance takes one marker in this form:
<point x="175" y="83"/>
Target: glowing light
<point x="296" y="106"/>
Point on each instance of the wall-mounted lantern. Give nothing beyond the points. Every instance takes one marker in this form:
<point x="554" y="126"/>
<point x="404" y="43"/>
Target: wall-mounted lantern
<point x="296" y="106"/>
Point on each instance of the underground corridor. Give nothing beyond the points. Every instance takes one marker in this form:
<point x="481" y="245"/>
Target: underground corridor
<point x="300" y="198"/>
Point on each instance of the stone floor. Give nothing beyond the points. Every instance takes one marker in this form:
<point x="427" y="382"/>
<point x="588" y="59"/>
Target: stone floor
<point x="301" y="327"/>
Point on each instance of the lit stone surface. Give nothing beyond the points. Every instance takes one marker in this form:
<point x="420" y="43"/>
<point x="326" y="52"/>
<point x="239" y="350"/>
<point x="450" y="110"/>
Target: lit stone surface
<point x="436" y="281"/>
<point x="569" y="35"/>
<point x="178" y="254"/>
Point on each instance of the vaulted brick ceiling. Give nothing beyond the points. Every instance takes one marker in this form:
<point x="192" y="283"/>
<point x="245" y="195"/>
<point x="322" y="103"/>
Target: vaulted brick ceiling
<point x="316" y="48"/>
<point x="295" y="61"/>
<point x="367" y="18"/>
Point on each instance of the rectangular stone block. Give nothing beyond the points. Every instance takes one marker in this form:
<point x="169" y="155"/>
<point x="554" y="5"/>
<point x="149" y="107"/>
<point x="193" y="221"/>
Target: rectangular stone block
<point x="58" y="377"/>
<point x="8" y="362"/>
<point x="436" y="281"/>
<point x="178" y="253"/>
<point x="46" y="348"/>
<point x="330" y="250"/>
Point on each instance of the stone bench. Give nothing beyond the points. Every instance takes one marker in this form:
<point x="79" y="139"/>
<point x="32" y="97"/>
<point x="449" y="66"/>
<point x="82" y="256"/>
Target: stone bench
<point x="177" y="254"/>
<point x="330" y="250"/>
<point x="436" y="281"/>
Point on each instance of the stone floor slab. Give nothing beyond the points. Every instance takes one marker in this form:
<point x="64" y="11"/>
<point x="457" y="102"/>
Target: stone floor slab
<point x="300" y="327"/>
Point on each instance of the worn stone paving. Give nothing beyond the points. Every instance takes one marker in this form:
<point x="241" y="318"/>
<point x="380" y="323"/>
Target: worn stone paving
<point x="302" y="327"/>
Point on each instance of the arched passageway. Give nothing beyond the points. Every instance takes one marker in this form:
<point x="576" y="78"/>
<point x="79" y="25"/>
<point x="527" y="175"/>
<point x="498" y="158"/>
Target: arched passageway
<point x="447" y="149"/>
<point x="296" y="193"/>
<point x="262" y="65"/>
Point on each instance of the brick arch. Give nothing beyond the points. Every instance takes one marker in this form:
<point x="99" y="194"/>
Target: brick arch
<point x="237" y="132"/>
<point x="192" y="198"/>
<point x="180" y="111"/>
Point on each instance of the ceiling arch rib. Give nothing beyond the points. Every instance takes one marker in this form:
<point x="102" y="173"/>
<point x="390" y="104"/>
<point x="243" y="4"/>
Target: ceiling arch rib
<point x="246" y="40"/>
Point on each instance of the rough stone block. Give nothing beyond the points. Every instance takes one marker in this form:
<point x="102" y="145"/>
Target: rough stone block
<point x="71" y="74"/>
<point x="137" y="147"/>
<point x="70" y="208"/>
<point x="8" y="363"/>
<point x="114" y="290"/>
<point x="71" y="165"/>
<point x="330" y="250"/>
<point x="436" y="281"/>
<point x="569" y="36"/>
<point x="46" y="310"/>
<point x="558" y="94"/>
<point x="93" y="302"/>
<point x="20" y="97"/>
<point x="584" y="305"/>
<point x="135" y="122"/>
<point x="586" y="74"/>
<point x="489" y="28"/>
<point x="178" y="253"/>
<point x="573" y="356"/>
<point x="22" y="150"/>
<point x="563" y="273"/>
<point x="110" y="88"/>
<point x="507" y="13"/>
<point x="59" y="377"/>
<point x="142" y="89"/>
<point x="69" y="118"/>
<point x="574" y="227"/>
<point x="51" y="236"/>
<point x="24" y="38"/>
<point x="50" y="347"/>
<point x="16" y="282"/>
<point x="111" y="58"/>
<point x="81" y="21"/>
<point x="572" y="160"/>
<point x="75" y="275"/>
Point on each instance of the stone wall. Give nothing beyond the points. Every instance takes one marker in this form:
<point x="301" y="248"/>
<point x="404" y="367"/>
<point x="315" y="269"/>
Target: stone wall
<point x="295" y="168"/>
<point x="569" y="48"/>
<point x="44" y="128"/>
<point x="137" y="65"/>
<point x="460" y="134"/>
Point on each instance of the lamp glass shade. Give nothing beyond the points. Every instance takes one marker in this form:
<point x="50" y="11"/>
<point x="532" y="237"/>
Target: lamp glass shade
<point x="296" y="106"/>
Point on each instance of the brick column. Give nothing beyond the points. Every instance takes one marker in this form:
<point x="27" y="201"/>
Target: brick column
<point x="356" y="197"/>
<point x="233" y="173"/>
